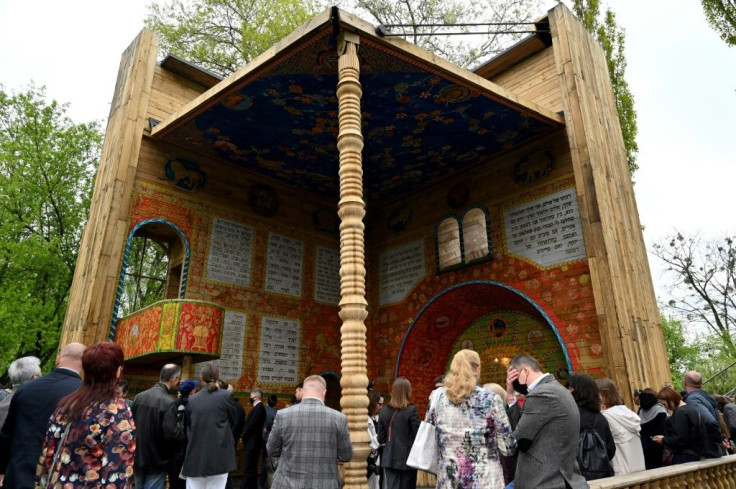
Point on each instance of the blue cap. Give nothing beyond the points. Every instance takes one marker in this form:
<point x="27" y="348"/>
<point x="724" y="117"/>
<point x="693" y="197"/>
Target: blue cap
<point x="188" y="386"/>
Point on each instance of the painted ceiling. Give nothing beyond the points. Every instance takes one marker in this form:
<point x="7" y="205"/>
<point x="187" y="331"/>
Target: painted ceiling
<point x="419" y="123"/>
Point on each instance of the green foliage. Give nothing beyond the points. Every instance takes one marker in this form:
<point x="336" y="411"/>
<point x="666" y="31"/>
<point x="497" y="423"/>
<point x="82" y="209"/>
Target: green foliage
<point x="689" y="350"/>
<point x="702" y="288"/>
<point x="145" y="275"/>
<point x="223" y="35"/>
<point x="420" y="13"/>
<point x="714" y="367"/>
<point x="683" y="354"/>
<point x="612" y="38"/>
<point x="721" y="15"/>
<point x="47" y="166"/>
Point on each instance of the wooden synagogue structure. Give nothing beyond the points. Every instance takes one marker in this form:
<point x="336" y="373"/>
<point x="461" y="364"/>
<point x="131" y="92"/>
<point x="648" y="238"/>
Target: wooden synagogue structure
<point x="353" y="206"/>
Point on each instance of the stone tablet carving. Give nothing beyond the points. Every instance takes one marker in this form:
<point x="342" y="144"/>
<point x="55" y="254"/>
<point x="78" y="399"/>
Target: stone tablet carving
<point x="284" y="265"/>
<point x="399" y="271"/>
<point x="230" y="252"/>
<point x="546" y="231"/>
<point x="279" y="352"/>
<point x="233" y="342"/>
<point x="327" y="276"/>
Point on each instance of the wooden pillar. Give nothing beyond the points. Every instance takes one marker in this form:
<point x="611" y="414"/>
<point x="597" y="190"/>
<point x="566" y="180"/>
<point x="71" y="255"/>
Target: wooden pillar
<point x="353" y="304"/>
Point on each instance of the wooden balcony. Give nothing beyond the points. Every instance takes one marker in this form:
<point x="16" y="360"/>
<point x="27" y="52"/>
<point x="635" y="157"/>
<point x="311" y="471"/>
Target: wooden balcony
<point x="714" y="473"/>
<point x="169" y="330"/>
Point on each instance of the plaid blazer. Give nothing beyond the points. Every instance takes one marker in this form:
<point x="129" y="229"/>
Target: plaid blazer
<point x="309" y="439"/>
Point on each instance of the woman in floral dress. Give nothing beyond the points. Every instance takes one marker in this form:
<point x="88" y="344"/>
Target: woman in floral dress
<point x="472" y="428"/>
<point x="90" y="441"/>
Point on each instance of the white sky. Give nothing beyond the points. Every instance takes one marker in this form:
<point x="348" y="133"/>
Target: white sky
<point x="682" y="75"/>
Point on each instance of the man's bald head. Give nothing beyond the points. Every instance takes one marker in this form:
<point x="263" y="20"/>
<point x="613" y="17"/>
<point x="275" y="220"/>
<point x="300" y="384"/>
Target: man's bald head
<point x="314" y="386"/>
<point x="70" y="356"/>
<point x="692" y="380"/>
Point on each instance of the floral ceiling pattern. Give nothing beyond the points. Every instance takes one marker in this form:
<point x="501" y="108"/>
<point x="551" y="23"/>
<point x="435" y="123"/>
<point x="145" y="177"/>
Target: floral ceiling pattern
<point x="419" y="123"/>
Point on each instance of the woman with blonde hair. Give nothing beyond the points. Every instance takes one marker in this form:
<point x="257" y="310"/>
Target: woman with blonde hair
<point x="472" y="428"/>
<point x="398" y="423"/>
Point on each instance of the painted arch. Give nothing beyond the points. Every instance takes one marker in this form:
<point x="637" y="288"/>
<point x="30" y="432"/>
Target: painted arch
<point x="491" y="318"/>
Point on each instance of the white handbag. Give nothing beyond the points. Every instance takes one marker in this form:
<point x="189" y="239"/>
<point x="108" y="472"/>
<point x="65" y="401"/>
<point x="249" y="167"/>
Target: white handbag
<point x="424" y="453"/>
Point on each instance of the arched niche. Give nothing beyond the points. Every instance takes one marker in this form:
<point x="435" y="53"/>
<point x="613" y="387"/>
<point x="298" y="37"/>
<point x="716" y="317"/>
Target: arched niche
<point x="493" y="319"/>
<point x="147" y="242"/>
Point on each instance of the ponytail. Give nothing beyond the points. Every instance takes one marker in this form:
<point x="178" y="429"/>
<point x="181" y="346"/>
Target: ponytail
<point x="461" y="379"/>
<point x="210" y="375"/>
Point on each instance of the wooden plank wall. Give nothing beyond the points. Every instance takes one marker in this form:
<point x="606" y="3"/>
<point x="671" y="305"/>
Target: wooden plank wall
<point x="625" y="299"/>
<point x="96" y="276"/>
<point x="534" y="79"/>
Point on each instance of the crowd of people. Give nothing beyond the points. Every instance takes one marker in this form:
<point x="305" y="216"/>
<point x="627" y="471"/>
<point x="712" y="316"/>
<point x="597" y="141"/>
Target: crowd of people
<point x="538" y="433"/>
<point x="66" y="430"/>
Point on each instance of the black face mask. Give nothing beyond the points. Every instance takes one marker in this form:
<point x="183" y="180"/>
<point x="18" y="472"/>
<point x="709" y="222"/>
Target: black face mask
<point x="520" y="388"/>
<point x="251" y="400"/>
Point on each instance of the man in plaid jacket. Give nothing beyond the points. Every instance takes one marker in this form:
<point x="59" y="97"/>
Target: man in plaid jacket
<point x="309" y="439"/>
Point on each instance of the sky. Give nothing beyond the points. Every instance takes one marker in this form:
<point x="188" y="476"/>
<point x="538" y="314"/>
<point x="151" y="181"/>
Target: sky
<point x="682" y="76"/>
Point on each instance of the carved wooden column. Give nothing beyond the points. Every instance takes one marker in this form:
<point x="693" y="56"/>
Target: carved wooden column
<point x="353" y="305"/>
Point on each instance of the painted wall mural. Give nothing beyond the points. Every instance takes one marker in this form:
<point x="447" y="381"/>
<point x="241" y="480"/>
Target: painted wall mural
<point x="185" y="174"/>
<point x="399" y="269"/>
<point x="178" y="326"/>
<point x="547" y="311"/>
<point x="501" y="335"/>
<point x="546" y="230"/>
<point x="216" y="232"/>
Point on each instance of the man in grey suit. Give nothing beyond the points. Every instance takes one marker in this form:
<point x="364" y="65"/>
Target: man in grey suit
<point x="309" y="439"/>
<point x="547" y="428"/>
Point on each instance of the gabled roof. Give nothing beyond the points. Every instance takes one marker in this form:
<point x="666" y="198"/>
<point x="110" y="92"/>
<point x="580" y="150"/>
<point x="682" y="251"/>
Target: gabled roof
<point x="423" y="117"/>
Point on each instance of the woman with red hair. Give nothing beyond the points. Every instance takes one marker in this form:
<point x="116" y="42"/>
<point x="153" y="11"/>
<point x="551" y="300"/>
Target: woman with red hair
<point x="91" y="436"/>
<point x="687" y="437"/>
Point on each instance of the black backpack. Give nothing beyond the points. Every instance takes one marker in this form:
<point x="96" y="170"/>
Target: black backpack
<point x="592" y="456"/>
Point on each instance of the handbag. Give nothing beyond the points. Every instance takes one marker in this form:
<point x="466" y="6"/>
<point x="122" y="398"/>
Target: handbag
<point x="424" y="454"/>
<point x="57" y="454"/>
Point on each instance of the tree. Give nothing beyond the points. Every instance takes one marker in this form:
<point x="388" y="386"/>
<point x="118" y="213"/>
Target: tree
<point x="424" y="20"/>
<point x="721" y="15"/>
<point x="702" y="290"/>
<point x="683" y="353"/>
<point x="145" y="275"/>
<point x="612" y="38"/>
<point x="688" y="350"/>
<point x="716" y="367"/>
<point x="223" y="35"/>
<point x="47" y="166"/>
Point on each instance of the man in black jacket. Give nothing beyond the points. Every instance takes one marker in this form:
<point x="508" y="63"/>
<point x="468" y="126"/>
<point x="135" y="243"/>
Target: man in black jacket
<point x="154" y="412"/>
<point x="24" y="430"/>
<point x="253" y="440"/>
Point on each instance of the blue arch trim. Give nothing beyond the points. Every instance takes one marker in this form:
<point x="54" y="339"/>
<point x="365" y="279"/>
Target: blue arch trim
<point x="484" y="282"/>
<point x="126" y="255"/>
